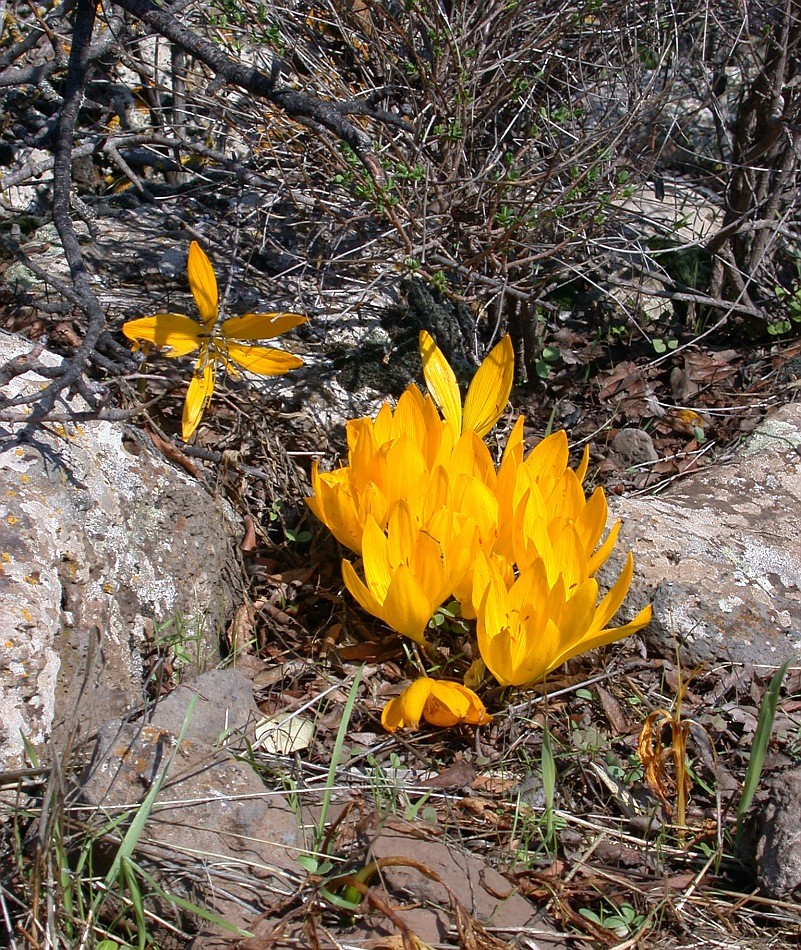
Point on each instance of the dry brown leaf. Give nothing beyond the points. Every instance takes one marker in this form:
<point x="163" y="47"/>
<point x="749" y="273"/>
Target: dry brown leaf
<point x="613" y="710"/>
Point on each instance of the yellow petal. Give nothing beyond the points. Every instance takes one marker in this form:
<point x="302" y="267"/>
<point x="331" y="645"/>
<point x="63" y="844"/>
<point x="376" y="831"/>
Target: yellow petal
<point x="197" y="398"/>
<point x="405" y="466"/>
<point x="333" y="504"/>
<point x="603" y="552"/>
<point x="407" y="609"/>
<point x="452" y="703"/>
<point x="591" y="521"/>
<point x="576" y="619"/>
<point x="401" y="534"/>
<point x="611" y="603"/>
<point x="609" y="635"/>
<point x="406" y="711"/>
<point x="489" y="389"/>
<point x="203" y="284"/>
<point x="262" y="359"/>
<point x="375" y="554"/>
<point x="173" y="330"/>
<point x="359" y="591"/>
<point x="568" y="559"/>
<point x="542" y="646"/>
<point x="441" y="382"/>
<point x="549" y="457"/>
<point x="260" y="326"/>
<point x="581" y="471"/>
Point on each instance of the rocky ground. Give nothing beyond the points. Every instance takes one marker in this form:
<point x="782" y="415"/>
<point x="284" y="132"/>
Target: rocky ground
<point x="191" y="750"/>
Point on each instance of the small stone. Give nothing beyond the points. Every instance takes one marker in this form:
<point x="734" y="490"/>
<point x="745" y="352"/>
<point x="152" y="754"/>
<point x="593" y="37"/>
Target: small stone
<point x="632" y="447"/>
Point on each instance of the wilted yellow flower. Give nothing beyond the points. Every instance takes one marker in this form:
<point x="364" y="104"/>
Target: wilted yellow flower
<point x="543" y="620"/>
<point x="439" y="702"/>
<point x="409" y="572"/>
<point x="487" y="394"/>
<point x="225" y="345"/>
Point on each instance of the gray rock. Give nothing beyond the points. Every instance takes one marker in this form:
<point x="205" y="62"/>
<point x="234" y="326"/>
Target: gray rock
<point x="720" y="554"/>
<point x="778" y="850"/>
<point x="632" y="447"/>
<point x="224" y="706"/>
<point x="215" y="836"/>
<point x="104" y="548"/>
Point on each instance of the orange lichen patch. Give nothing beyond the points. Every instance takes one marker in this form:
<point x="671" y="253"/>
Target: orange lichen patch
<point x="12" y="519"/>
<point x="27" y="616"/>
<point x="33" y="578"/>
<point x="10" y="492"/>
<point x="5" y="556"/>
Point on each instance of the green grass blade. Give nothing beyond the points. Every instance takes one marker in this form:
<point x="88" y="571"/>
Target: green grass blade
<point x="759" y="748"/>
<point x="548" y="785"/>
<point x="137" y="826"/>
<point x="337" y="755"/>
<point x="186" y="905"/>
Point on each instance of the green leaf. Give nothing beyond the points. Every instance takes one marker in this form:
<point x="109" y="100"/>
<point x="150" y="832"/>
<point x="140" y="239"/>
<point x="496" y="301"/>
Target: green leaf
<point x="759" y="748"/>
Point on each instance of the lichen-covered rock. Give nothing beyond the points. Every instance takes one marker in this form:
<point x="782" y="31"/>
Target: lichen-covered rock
<point x="105" y="547"/>
<point x="720" y="553"/>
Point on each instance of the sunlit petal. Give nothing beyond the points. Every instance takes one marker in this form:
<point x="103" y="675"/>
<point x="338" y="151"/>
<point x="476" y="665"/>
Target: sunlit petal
<point x="377" y="570"/>
<point x="410" y="704"/>
<point x="407" y="609"/>
<point x="260" y="326"/>
<point x="441" y="381"/>
<point x="359" y="591"/>
<point x="489" y="389"/>
<point x="203" y="284"/>
<point x="197" y="398"/>
<point x="550" y="456"/>
<point x="402" y="534"/>
<point x="591" y="521"/>
<point x="608" y="635"/>
<point x="172" y="330"/>
<point x="452" y="703"/>
<point x="600" y="556"/>
<point x="262" y="359"/>
<point x="610" y="605"/>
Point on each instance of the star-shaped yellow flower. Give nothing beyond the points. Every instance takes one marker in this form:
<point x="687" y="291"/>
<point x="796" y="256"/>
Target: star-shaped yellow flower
<point x="224" y="345"/>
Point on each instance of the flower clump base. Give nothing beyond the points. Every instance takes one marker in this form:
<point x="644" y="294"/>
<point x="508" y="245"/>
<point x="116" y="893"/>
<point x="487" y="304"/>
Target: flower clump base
<point x="434" y="519"/>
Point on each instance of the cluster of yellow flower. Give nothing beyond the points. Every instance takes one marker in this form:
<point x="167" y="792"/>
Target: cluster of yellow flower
<point x="431" y="515"/>
<point x="434" y="519"/>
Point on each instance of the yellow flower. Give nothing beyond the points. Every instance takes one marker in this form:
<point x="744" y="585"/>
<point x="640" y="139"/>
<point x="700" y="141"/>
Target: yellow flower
<point x="487" y="394"/>
<point x="540" y="622"/>
<point x="408" y="571"/>
<point x="439" y="702"/>
<point x="225" y="345"/>
<point x="388" y="459"/>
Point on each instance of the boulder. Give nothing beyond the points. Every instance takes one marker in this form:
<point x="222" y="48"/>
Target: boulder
<point x="108" y="554"/>
<point x="215" y="836"/>
<point x="719" y="554"/>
